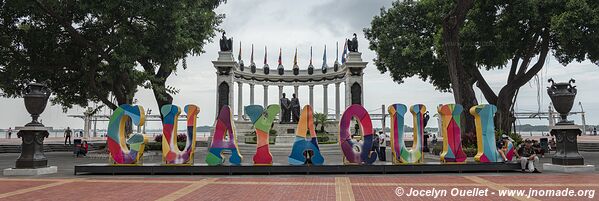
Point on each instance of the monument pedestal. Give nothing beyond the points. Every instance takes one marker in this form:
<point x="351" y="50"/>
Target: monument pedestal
<point x="567" y="168"/>
<point x="30" y="171"/>
<point x="566" y="136"/>
<point x="566" y="158"/>
<point x="32" y="160"/>
<point x="285" y="133"/>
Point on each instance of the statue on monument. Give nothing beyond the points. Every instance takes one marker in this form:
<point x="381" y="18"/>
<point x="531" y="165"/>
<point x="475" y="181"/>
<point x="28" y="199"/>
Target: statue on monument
<point x="352" y="44"/>
<point x="285" y="109"/>
<point x="295" y="108"/>
<point x="226" y="45"/>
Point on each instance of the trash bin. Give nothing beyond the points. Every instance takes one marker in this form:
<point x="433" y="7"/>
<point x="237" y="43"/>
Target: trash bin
<point x="76" y="145"/>
<point x="544" y="144"/>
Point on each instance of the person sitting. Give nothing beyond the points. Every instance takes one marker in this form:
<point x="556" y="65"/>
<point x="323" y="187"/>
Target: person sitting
<point x="538" y="149"/>
<point x="82" y="150"/>
<point x="528" y="157"/>
<point x="505" y="148"/>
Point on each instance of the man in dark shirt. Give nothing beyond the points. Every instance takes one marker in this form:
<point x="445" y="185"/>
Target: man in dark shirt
<point x="67" y="136"/>
<point x="528" y="157"/>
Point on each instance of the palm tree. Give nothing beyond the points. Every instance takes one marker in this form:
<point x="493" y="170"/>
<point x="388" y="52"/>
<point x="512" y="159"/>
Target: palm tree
<point x="320" y="119"/>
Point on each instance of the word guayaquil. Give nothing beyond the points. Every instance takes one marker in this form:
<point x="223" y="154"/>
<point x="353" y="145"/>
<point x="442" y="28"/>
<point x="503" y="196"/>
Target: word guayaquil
<point x="129" y="151"/>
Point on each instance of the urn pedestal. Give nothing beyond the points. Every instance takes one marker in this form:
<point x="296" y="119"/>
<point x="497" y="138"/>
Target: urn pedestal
<point x="32" y="160"/>
<point x="566" y="145"/>
<point x="32" y="147"/>
<point x="566" y="157"/>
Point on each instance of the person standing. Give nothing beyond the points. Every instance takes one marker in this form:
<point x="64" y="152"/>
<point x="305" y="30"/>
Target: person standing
<point x="295" y="109"/>
<point x="382" y="146"/>
<point x="67" y="136"/>
<point x="285" y="106"/>
<point x="9" y="132"/>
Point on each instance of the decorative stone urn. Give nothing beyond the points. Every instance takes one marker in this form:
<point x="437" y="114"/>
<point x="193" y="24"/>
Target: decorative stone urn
<point x="33" y="134"/>
<point x="566" y="132"/>
<point x="36" y="97"/>
<point x="562" y="96"/>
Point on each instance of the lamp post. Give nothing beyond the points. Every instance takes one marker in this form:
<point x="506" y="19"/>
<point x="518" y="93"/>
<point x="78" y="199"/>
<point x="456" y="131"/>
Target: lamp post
<point x="148" y="112"/>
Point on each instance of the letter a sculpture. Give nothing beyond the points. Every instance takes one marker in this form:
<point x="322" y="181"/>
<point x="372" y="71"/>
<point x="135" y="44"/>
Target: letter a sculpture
<point x="224" y="127"/>
<point x="302" y="143"/>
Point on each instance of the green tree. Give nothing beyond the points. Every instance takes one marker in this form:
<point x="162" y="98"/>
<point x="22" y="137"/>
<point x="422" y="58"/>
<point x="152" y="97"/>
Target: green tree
<point x="449" y="42"/>
<point x="320" y="119"/>
<point x="91" y="50"/>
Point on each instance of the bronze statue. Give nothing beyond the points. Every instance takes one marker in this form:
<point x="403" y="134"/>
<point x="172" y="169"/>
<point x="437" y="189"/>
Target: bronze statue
<point x="352" y="44"/>
<point x="295" y="109"/>
<point x="285" y="109"/>
<point x="226" y="45"/>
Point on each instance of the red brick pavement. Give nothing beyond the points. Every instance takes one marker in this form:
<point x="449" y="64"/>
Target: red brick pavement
<point x="312" y="187"/>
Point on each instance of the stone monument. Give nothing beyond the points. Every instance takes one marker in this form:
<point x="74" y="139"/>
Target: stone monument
<point x="566" y="158"/>
<point x="32" y="160"/>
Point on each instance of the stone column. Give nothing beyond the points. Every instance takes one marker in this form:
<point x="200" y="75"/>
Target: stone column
<point x="265" y="95"/>
<point x="311" y="87"/>
<point x="337" y="104"/>
<point x="278" y="100"/>
<point x="354" y="88"/>
<point x="224" y="80"/>
<point x="251" y="94"/>
<point x="325" y="100"/>
<point x="239" y="101"/>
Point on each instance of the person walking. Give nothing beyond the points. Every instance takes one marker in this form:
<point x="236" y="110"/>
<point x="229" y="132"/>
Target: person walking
<point x="382" y="146"/>
<point x="9" y="132"/>
<point x="67" y="136"/>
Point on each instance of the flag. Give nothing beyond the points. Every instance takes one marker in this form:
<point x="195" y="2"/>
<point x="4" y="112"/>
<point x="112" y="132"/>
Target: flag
<point x="280" y="59"/>
<point x="344" y="55"/>
<point x="239" y="55"/>
<point x="252" y="57"/>
<point x="310" y="55"/>
<point x="324" y="57"/>
<point x="265" y="52"/>
<point x="295" y="58"/>
<point x="336" y="52"/>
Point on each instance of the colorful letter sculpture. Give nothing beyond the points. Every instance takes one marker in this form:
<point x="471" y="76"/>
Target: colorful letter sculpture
<point x="263" y="121"/>
<point x="356" y="152"/>
<point x="451" y="129"/>
<point x="401" y="154"/>
<point x="302" y="143"/>
<point x="171" y="155"/>
<point x="120" y="154"/>
<point x="485" y="133"/>
<point x="224" y="126"/>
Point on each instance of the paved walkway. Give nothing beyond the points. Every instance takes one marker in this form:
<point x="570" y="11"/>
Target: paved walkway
<point x="354" y="187"/>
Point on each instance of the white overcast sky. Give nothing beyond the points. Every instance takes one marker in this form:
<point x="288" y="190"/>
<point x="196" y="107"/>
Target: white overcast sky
<point x="290" y="24"/>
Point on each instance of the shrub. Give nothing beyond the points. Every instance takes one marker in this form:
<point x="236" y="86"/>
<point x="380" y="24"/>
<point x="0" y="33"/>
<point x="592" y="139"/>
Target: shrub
<point x="470" y="151"/>
<point x="180" y="138"/>
<point x="437" y="148"/>
<point x="156" y="146"/>
<point x="469" y="139"/>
